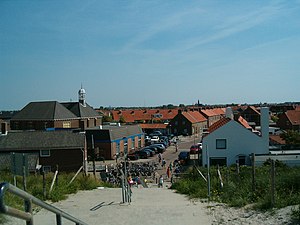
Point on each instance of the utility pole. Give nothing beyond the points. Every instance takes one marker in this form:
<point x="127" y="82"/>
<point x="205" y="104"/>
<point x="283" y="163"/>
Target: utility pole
<point x="208" y="173"/>
<point x="94" y="156"/>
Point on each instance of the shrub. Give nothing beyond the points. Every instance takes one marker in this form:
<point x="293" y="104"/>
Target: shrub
<point x="296" y="214"/>
<point x="237" y="190"/>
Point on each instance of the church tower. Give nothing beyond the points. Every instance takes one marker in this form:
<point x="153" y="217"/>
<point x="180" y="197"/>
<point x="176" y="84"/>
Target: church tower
<point x="81" y="96"/>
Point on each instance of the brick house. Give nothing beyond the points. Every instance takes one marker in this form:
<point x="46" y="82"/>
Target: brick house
<point x="212" y="115"/>
<point x="52" y="114"/>
<point x="188" y="123"/>
<point x="252" y="115"/>
<point x="110" y="141"/>
<point x="289" y="120"/>
<point x="62" y="148"/>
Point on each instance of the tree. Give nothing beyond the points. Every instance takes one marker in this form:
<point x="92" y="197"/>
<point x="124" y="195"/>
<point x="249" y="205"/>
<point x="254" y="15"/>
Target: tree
<point x="291" y="137"/>
<point x="122" y="120"/>
<point x="107" y="118"/>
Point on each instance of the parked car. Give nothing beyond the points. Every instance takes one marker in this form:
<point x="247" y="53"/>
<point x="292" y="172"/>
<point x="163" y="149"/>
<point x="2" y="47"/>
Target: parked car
<point x="194" y="149"/>
<point x="154" y="139"/>
<point x="200" y="145"/>
<point x="184" y="155"/>
<point x="156" y="133"/>
<point x="151" y="151"/>
<point x="154" y="148"/>
<point x="143" y="154"/>
<point x="133" y="156"/>
<point x="160" y="147"/>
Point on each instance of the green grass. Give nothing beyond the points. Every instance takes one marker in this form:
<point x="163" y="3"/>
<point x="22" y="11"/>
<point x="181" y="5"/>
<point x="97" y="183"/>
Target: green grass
<point x="237" y="190"/>
<point x="59" y="191"/>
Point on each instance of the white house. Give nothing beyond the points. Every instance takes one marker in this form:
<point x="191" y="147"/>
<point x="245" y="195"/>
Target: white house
<point x="231" y="141"/>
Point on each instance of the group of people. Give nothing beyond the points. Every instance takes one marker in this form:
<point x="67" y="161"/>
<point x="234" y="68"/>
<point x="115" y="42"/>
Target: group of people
<point x="173" y="167"/>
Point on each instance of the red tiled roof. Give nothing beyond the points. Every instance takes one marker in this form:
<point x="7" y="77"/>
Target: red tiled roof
<point x="277" y="139"/>
<point x="194" y="116"/>
<point x="218" y="124"/>
<point x="220" y="111"/>
<point x="131" y="116"/>
<point x="213" y="112"/>
<point x="153" y="125"/>
<point x="208" y="112"/>
<point x="224" y="121"/>
<point x="293" y="116"/>
<point x="244" y="122"/>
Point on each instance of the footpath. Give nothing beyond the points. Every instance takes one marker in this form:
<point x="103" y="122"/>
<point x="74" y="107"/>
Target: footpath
<point x="149" y="206"/>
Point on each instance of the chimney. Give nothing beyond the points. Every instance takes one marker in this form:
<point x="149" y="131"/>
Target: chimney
<point x="264" y="122"/>
<point x="229" y="113"/>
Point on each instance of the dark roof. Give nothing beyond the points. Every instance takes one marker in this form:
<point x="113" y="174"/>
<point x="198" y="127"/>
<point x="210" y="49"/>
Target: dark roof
<point x="124" y="131"/>
<point x="48" y="110"/>
<point x="7" y="114"/>
<point x="114" y="132"/>
<point x="37" y="140"/>
<point x="81" y="111"/>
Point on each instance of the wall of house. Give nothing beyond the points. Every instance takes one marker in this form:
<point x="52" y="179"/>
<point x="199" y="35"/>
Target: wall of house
<point x="180" y="125"/>
<point x="68" y="160"/>
<point x="284" y="123"/>
<point x="31" y="125"/>
<point x="106" y="150"/>
<point x="239" y="141"/>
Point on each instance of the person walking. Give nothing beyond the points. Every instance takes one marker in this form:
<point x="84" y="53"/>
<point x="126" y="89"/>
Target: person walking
<point x="168" y="172"/>
<point x="161" y="182"/>
<point x="159" y="157"/>
<point x="163" y="163"/>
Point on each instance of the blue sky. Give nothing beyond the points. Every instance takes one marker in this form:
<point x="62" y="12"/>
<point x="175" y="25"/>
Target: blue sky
<point x="149" y="53"/>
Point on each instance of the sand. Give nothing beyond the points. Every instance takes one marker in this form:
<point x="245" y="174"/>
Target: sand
<point x="153" y="206"/>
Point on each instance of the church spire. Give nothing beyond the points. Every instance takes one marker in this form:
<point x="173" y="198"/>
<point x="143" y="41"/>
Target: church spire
<point x="81" y="96"/>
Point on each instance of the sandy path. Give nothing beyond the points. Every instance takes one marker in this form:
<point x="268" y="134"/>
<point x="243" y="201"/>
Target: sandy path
<point x="148" y="206"/>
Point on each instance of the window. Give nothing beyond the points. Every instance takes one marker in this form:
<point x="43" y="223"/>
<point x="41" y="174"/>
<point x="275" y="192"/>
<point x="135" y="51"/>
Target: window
<point x="183" y="122"/>
<point x="66" y="124"/>
<point x="176" y="123"/>
<point x="221" y="144"/>
<point x="218" y="161"/>
<point x="45" y="153"/>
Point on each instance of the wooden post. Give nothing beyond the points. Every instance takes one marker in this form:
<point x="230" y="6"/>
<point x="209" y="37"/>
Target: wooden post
<point x="208" y="173"/>
<point x="220" y="177"/>
<point x="44" y="185"/>
<point x="24" y="179"/>
<point x="94" y="157"/>
<point x="56" y="180"/>
<point x="272" y="183"/>
<point x="253" y="173"/>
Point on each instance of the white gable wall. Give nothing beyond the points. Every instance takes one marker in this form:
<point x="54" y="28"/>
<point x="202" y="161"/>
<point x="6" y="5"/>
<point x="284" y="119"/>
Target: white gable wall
<point x="239" y="141"/>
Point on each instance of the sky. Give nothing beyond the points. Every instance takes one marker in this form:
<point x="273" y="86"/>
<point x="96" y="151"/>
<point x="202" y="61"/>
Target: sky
<point x="148" y="52"/>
